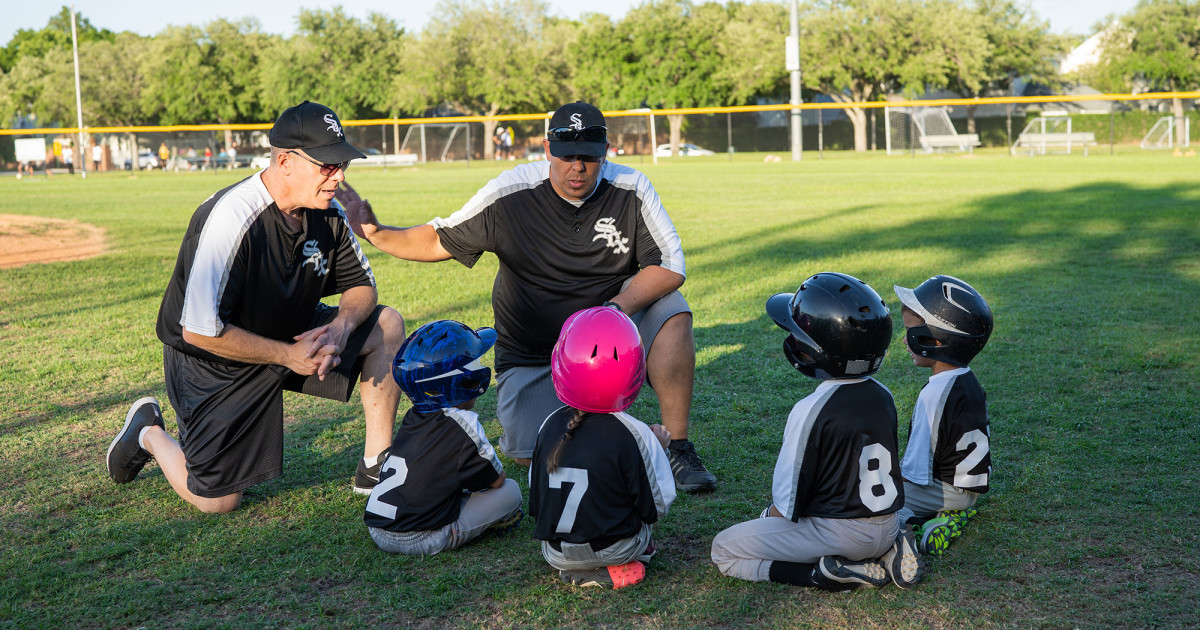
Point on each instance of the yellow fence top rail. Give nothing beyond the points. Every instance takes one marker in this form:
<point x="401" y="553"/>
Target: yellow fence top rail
<point x="991" y="100"/>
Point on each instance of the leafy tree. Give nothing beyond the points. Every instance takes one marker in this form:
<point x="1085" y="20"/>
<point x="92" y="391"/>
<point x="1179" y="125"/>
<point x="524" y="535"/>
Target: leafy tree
<point x="751" y="48"/>
<point x="209" y="74"/>
<point x="1156" y="45"/>
<point x="337" y="60"/>
<point x="56" y="35"/>
<point x="1017" y="45"/>
<point x="112" y="79"/>
<point x="41" y="88"/>
<point x="663" y="52"/>
<point x="859" y="50"/>
<point x="490" y="58"/>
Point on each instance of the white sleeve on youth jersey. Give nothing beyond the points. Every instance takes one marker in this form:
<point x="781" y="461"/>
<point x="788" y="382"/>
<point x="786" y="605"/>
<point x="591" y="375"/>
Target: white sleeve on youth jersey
<point x="216" y="250"/>
<point x="658" y="468"/>
<point x="468" y="421"/>
<point x="917" y="465"/>
<point x="661" y="228"/>
<point x="791" y="456"/>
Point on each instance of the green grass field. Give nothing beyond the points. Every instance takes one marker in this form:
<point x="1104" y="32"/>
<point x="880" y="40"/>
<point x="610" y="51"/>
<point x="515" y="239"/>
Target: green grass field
<point x="1091" y="264"/>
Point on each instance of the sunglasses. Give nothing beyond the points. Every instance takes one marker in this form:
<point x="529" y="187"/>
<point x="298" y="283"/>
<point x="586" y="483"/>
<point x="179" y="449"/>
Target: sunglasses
<point x="598" y="133"/>
<point x="327" y="170"/>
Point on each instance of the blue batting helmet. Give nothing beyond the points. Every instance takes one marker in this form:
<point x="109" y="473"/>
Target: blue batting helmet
<point x="438" y="365"/>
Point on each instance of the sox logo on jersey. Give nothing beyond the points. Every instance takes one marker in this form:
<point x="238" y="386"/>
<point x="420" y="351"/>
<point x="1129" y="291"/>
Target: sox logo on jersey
<point x="314" y="256"/>
<point x="606" y="229"/>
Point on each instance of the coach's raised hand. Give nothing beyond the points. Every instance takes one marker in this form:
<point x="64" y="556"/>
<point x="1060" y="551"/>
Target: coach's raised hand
<point x="358" y="211"/>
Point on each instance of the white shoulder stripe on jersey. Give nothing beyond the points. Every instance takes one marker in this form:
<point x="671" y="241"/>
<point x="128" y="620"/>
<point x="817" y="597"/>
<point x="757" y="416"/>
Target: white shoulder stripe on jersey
<point x="358" y="252"/>
<point x="522" y="177"/>
<point x="662" y="230"/>
<point x="795" y="440"/>
<point x="469" y="422"/>
<point x="658" y="468"/>
<point x="218" y="244"/>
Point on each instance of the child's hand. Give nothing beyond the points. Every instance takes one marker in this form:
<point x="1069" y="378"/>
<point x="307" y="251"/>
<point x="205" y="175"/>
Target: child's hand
<point x="661" y="432"/>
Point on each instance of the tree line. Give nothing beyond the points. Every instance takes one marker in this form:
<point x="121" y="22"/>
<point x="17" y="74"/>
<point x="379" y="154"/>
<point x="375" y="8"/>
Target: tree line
<point x="494" y="57"/>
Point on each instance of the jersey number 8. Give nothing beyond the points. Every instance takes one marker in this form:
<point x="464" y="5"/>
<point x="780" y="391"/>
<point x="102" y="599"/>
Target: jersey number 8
<point x="880" y="476"/>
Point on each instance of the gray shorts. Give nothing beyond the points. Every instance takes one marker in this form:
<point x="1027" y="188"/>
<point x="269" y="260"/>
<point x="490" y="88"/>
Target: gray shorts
<point x="477" y="512"/>
<point x="525" y="394"/>
<point x="924" y="502"/>
<point x="747" y="549"/>
<point x="582" y="556"/>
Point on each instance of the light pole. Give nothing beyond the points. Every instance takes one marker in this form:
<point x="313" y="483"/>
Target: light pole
<point x="79" y="150"/>
<point x="793" y="66"/>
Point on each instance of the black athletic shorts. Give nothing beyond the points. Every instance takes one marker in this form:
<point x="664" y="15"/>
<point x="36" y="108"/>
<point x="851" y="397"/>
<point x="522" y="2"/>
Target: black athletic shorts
<point x="231" y="417"/>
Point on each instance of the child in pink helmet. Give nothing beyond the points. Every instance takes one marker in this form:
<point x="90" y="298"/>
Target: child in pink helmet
<point x="600" y="478"/>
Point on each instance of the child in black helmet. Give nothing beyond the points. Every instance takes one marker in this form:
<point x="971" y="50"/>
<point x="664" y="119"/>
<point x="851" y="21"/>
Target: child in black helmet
<point x="947" y="463"/>
<point x="836" y="486"/>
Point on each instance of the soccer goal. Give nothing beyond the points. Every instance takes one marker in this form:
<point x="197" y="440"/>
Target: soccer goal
<point x="1162" y="134"/>
<point x="926" y="128"/>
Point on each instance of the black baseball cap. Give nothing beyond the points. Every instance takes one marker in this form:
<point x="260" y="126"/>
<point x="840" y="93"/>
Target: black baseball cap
<point x="316" y="130"/>
<point x="578" y="129"/>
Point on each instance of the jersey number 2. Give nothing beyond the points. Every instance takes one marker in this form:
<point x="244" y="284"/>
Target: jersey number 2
<point x="880" y="477"/>
<point x="578" y="478"/>
<point x="374" y="504"/>
<point x="962" y="472"/>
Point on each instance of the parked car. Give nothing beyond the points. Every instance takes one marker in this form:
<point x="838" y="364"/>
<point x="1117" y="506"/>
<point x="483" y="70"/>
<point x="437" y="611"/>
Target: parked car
<point x="146" y="159"/>
<point x="664" y="150"/>
<point x="261" y="161"/>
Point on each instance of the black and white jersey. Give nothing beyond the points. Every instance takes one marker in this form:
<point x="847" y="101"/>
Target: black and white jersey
<point x="555" y="258"/>
<point x="949" y="437"/>
<point x="241" y="263"/>
<point x="839" y="454"/>
<point x="612" y="476"/>
<point x="433" y="459"/>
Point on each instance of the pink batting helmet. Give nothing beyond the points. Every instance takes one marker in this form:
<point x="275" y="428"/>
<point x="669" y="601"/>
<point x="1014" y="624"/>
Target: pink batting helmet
<point x="598" y="364"/>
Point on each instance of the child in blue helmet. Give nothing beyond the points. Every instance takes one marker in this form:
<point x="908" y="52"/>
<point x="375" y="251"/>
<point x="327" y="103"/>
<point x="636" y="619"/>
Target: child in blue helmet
<point x="441" y="484"/>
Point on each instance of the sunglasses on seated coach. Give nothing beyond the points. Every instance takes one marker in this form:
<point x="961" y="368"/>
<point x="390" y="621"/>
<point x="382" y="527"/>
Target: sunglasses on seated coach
<point x="326" y="169"/>
<point x="597" y="133"/>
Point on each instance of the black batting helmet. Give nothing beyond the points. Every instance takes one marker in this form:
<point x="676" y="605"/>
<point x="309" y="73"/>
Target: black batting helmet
<point x="839" y="326"/>
<point x="957" y="324"/>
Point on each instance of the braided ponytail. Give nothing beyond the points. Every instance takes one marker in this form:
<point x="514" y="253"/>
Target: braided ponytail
<point x="576" y="420"/>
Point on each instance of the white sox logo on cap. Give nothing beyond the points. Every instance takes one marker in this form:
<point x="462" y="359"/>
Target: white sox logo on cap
<point x="333" y="124"/>
<point x="576" y="121"/>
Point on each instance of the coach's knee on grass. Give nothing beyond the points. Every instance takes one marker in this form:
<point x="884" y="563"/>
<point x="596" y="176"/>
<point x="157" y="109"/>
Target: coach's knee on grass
<point x="391" y="328"/>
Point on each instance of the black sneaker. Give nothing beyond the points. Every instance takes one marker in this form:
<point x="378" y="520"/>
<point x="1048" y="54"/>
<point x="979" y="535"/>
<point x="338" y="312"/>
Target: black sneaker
<point x="126" y="457"/>
<point x="836" y="573"/>
<point x="507" y="523"/>
<point x="903" y="562"/>
<point x="613" y="577"/>
<point x="690" y="474"/>
<point x="365" y="479"/>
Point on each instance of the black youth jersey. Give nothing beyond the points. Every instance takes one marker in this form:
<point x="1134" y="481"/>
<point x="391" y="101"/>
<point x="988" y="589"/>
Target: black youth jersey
<point x="839" y="454"/>
<point x="613" y="476"/>
<point x="556" y="259"/>
<point x="241" y="263"/>
<point x="949" y="437"/>
<point x="434" y="457"/>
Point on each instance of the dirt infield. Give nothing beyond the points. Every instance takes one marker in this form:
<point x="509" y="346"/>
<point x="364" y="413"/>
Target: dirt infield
<point x="25" y="240"/>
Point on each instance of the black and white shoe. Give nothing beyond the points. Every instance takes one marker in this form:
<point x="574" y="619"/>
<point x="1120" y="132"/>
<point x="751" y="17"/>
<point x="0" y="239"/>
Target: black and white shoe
<point x="367" y="477"/>
<point x="903" y="562"/>
<point x="836" y="573"/>
<point x="126" y="457"/>
<point x="690" y="474"/>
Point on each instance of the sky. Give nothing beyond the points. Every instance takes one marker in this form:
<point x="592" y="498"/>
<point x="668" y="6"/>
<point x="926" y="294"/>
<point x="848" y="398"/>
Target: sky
<point x="149" y="17"/>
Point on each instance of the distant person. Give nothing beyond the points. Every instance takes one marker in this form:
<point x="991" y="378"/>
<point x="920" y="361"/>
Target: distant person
<point x="600" y="478"/>
<point x="164" y="154"/>
<point x="441" y="484"/>
<point x="498" y="143"/>
<point x="68" y="155"/>
<point x="506" y="142"/>
<point x="232" y="154"/>
<point x="207" y="157"/>
<point x="97" y="155"/>
<point x="948" y="461"/>
<point x="571" y="232"/>
<point x="832" y="521"/>
<point x="242" y="320"/>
